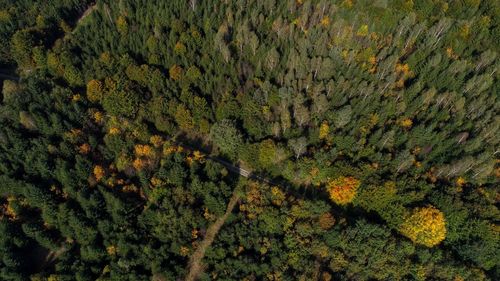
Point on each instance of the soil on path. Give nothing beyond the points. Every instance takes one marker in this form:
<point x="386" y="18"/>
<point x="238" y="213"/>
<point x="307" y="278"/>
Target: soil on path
<point x="195" y="266"/>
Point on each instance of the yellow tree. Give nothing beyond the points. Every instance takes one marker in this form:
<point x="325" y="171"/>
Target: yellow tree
<point x="122" y="25"/>
<point x="94" y="90"/>
<point x="425" y="226"/>
<point x="99" y="172"/>
<point x="343" y="190"/>
<point x="324" y="130"/>
<point x="175" y="72"/>
<point x="143" y="150"/>
<point x="183" y="117"/>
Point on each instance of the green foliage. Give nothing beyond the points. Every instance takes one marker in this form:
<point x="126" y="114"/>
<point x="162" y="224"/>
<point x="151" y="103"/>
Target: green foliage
<point x="121" y="103"/>
<point x="226" y="136"/>
<point x="399" y="95"/>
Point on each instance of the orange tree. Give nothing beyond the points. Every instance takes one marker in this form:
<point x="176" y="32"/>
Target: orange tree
<point x="343" y="190"/>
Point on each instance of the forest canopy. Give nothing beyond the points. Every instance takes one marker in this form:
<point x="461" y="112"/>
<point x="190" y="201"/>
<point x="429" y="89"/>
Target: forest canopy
<point x="249" y="140"/>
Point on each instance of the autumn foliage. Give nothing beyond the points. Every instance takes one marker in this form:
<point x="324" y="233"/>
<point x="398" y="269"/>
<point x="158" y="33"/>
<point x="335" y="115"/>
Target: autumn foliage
<point x="324" y="129"/>
<point x="175" y="72"/>
<point x="98" y="172"/>
<point x="425" y="226"/>
<point x="94" y="90"/>
<point x="326" y="221"/>
<point x="143" y="150"/>
<point x="343" y="190"/>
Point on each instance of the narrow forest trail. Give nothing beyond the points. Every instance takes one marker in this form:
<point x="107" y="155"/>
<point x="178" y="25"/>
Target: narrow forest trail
<point x="195" y="266"/>
<point x="86" y="13"/>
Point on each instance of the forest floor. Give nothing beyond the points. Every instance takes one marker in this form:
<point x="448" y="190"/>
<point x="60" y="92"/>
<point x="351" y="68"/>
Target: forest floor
<point x="195" y="263"/>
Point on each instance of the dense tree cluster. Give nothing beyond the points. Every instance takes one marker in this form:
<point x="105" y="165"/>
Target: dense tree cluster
<point x="370" y="129"/>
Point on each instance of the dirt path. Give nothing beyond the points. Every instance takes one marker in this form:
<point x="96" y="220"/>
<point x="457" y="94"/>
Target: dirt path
<point x="86" y="13"/>
<point x="195" y="264"/>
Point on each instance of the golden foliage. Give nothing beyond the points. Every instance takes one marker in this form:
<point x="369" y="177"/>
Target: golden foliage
<point x="194" y="233"/>
<point x="347" y="3"/>
<point x="54" y="64"/>
<point x="114" y="131"/>
<point x="451" y="54"/>
<point x="189" y="160"/>
<point x="84" y="148"/>
<point x="465" y="31"/>
<point x="278" y="196"/>
<point x="339" y="261"/>
<point x="99" y="172"/>
<point x="65" y="26"/>
<point x="324" y="129"/>
<point x="110" y="83"/>
<point x="175" y="72"/>
<point x="76" y="98"/>
<point x="130" y="188"/>
<point x="320" y="250"/>
<point x="325" y="276"/>
<point x="73" y="135"/>
<point x="139" y="164"/>
<point x="53" y="277"/>
<point x="105" y="57"/>
<point x="184" y="118"/>
<point x="425" y="226"/>
<point x="168" y="150"/>
<point x="122" y="25"/>
<point x="143" y="150"/>
<point x="94" y="90"/>
<point x="372" y="60"/>
<point x="9" y="210"/>
<point x="403" y="68"/>
<point x="406" y="123"/>
<point x="326" y="221"/>
<point x="197" y="155"/>
<point x="253" y="202"/>
<point x="98" y="117"/>
<point x="314" y="172"/>
<point x="325" y="21"/>
<point x="363" y="30"/>
<point x="460" y="181"/>
<point x="184" y="251"/>
<point x="155" y="182"/>
<point x="207" y="215"/>
<point x="111" y="250"/>
<point x="156" y="141"/>
<point x="179" y="48"/>
<point x="343" y="190"/>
